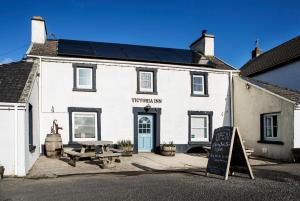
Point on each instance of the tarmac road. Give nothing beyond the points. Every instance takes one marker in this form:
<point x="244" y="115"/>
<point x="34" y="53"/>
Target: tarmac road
<point x="153" y="186"/>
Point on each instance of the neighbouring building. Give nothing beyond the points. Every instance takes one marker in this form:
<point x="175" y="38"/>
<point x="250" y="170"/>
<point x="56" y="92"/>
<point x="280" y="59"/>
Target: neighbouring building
<point x="268" y="117"/>
<point x="279" y="66"/>
<point x="108" y="91"/>
<point x="266" y="101"/>
<point x="19" y="117"/>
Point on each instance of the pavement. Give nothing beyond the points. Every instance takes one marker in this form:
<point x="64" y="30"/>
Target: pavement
<point x="49" y="168"/>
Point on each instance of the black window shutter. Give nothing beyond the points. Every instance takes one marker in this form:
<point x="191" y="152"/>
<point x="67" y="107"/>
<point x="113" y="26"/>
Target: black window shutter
<point x="262" y="127"/>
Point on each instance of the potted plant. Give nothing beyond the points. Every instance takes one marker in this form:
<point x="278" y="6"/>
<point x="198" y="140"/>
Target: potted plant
<point x="168" y="149"/>
<point x="126" y="147"/>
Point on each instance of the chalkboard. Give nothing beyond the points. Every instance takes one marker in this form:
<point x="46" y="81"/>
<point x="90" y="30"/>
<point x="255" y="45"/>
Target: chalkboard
<point x="227" y="154"/>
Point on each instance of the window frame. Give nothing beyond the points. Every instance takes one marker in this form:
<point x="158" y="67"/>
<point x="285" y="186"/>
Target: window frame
<point x="263" y="136"/>
<point x="204" y="82"/>
<point x="209" y="115"/>
<point x="206" y="126"/>
<point x="73" y="110"/>
<point x="73" y="126"/>
<point x="76" y="86"/>
<point x="154" y="81"/>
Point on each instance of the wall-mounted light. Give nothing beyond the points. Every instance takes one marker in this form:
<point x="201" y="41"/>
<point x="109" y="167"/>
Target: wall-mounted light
<point x="147" y="108"/>
<point x="52" y="109"/>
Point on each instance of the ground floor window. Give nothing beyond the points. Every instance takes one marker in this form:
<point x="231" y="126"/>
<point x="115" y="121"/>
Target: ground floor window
<point x="200" y="126"/>
<point x="270" y="126"/>
<point x="84" y="124"/>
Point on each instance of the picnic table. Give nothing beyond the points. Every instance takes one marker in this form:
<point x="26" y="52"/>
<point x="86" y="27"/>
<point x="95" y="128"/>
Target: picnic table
<point x="94" y="150"/>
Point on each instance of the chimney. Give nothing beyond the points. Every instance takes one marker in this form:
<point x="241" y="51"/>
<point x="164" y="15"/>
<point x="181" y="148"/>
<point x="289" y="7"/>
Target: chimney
<point x="38" y="30"/>
<point x="257" y="51"/>
<point x="205" y="44"/>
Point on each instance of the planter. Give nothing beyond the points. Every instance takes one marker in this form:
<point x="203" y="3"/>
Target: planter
<point x="127" y="151"/>
<point x="167" y="150"/>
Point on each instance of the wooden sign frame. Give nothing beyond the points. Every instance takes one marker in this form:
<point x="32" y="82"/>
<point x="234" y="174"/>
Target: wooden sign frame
<point x="237" y="143"/>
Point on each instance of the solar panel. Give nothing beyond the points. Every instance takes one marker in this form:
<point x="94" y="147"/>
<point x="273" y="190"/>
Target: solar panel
<point x="124" y="52"/>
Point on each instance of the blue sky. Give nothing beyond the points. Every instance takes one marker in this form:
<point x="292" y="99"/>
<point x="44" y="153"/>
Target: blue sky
<point x="165" y="23"/>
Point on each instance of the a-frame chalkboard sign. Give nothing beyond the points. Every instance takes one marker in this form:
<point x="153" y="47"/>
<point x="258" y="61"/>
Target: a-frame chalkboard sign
<point x="227" y="154"/>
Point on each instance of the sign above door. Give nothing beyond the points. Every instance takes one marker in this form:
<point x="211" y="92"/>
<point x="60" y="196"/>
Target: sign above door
<point x="146" y="100"/>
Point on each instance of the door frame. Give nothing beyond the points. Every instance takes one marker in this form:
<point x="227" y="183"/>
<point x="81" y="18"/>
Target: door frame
<point x="156" y="112"/>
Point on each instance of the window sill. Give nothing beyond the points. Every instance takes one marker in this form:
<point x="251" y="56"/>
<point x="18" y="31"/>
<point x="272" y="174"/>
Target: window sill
<point x="32" y="148"/>
<point x="199" y="95"/>
<point x="270" y="142"/>
<point x="146" y="92"/>
<point x="85" y="90"/>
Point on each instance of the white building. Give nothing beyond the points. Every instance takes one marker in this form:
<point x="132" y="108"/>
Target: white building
<point x="106" y="91"/>
<point x="279" y="66"/>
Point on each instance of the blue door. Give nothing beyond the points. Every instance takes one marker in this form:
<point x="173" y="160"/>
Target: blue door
<point x="145" y="133"/>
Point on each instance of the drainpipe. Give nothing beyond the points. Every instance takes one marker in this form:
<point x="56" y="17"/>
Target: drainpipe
<point x="16" y="139"/>
<point x="231" y="100"/>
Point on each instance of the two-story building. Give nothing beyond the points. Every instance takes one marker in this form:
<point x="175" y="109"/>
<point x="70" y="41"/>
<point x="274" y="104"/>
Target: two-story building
<point x="149" y="95"/>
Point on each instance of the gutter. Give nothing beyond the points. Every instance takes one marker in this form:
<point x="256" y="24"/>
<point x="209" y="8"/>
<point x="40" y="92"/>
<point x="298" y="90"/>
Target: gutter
<point x="132" y="64"/>
<point x="231" y="99"/>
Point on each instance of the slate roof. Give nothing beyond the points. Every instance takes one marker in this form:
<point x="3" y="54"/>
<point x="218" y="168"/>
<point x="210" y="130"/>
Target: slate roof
<point x="13" y="78"/>
<point x="283" y="92"/>
<point x="114" y="51"/>
<point x="278" y="56"/>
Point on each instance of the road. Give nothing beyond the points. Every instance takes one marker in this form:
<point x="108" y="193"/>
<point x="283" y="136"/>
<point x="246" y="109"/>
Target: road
<point x="153" y="186"/>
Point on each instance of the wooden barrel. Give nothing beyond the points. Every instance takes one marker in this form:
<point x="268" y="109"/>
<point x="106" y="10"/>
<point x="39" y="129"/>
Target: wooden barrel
<point x="53" y="145"/>
<point x="167" y="151"/>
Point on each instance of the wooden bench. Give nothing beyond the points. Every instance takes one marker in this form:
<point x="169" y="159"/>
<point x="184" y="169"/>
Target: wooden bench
<point x="75" y="156"/>
<point x="107" y="158"/>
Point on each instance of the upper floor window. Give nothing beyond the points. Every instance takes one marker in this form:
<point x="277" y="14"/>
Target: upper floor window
<point x="146" y="81"/>
<point x="199" y="85"/>
<point x="84" y="77"/>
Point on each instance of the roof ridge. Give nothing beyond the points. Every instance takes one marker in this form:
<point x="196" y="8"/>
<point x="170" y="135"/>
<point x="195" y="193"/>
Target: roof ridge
<point x="270" y="50"/>
<point x="14" y="62"/>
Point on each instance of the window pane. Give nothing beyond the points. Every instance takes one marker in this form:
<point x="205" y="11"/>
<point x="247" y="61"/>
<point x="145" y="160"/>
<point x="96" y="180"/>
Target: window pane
<point x="85" y="125"/>
<point x="198" y="84"/>
<point x="146" y="80"/>
<point x="199" y="128"/>
<point x="199" y="133"/>
<point x="85" y="77"/>
<point x="198" y="122"/>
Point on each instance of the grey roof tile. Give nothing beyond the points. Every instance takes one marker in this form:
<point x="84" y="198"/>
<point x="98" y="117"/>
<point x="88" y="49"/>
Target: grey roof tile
<point x="280" y="55"/>
<point x="13" y="78"/>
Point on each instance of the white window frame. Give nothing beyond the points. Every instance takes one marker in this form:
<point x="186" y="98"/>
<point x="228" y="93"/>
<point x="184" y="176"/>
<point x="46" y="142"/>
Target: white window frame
<point x="207" y="128"/>
<point x="152" y="81"/>
<point x="90" y="85"/>
<point x="265" y="116"/>
<point x="203" y="87"/>
<point x="73" y="126"/>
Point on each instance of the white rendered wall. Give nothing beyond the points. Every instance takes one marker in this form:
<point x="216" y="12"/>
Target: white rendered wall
<point x="7" y="142"/>
<point x="31" y="157"/>
<point x="249" y="104"/>
<point x="116" y="86"/>
<point x="286" y="76"/>
<point x="297" y="128"/>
